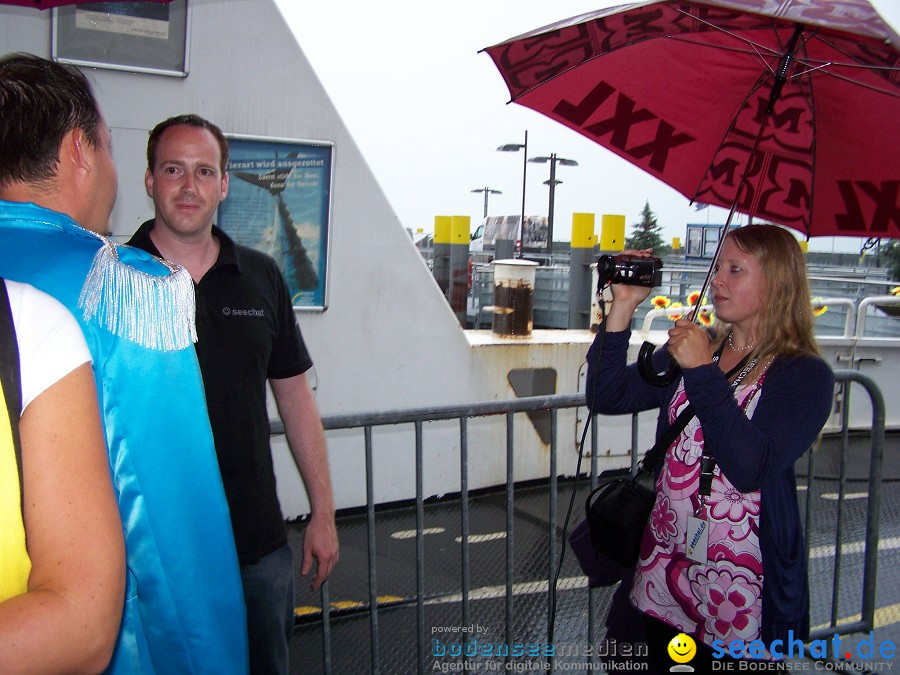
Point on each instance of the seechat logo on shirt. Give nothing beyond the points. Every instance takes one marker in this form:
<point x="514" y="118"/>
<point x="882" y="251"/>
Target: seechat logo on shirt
<point x="233" y="311"/>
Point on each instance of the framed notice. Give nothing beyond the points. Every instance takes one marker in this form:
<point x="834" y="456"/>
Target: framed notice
<point x="147" y="37"/>
<point x="279" y="202"/>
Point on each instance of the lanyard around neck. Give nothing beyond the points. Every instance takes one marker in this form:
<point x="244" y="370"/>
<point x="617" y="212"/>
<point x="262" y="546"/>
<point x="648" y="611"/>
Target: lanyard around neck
<point x="707" y="461"/>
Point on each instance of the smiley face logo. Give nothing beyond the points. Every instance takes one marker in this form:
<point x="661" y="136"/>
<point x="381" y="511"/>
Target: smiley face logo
<point x="682" y="648"/>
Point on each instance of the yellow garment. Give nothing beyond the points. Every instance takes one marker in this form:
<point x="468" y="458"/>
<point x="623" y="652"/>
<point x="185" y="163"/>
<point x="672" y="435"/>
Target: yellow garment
<point x="15" y="565"/>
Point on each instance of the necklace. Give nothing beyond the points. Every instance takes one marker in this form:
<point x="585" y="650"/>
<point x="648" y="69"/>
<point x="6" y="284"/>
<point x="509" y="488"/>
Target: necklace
<point x="737" y="349"/>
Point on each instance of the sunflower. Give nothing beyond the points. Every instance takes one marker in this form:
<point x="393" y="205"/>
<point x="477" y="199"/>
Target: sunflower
<point x="818" y="307"/>
<point x="706" y="318"/>
<point x="660" y="302"/>
<point x="693" y="298"/>
<point x="675" y="315"/>
<point x="895" y="290"/>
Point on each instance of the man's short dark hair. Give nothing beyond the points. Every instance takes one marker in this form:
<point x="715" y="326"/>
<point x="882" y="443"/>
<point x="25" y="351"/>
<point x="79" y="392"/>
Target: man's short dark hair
<point x="40" y="102"/>
<point x="188" y="121"/>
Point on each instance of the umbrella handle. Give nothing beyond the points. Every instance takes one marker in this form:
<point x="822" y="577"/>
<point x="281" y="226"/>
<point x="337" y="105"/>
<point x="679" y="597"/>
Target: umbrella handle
<point x="645" y="367"/>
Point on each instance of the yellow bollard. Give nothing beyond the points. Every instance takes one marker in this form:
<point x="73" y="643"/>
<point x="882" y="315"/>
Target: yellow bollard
<point x="612" y="232"/>
<point x="440" y="266"/>
<point x="583" y="230"/>
<point x="460" y="228"/>
<point x="442" y="229"/>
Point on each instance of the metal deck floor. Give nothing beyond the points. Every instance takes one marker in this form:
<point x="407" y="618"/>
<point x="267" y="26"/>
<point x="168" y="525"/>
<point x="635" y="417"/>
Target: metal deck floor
<point x="396" y="579"/>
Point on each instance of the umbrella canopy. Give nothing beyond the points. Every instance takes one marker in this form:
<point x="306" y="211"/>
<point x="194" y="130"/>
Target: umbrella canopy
<point x="785" y="110"/>
<point x="47" y="4"/>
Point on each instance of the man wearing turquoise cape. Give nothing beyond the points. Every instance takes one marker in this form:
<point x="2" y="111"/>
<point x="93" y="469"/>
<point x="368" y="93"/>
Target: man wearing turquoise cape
<point x="184" y="609"/>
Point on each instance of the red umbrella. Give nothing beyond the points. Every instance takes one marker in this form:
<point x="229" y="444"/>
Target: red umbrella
<point x="787" y="110"/>
<point x="47" y="4"/>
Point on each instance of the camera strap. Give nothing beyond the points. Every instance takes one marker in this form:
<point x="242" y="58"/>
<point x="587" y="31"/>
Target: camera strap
<point x="654" y="455"/>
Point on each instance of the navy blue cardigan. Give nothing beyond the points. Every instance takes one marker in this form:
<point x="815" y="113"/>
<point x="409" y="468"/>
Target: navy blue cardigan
<point x="754" y="454"/>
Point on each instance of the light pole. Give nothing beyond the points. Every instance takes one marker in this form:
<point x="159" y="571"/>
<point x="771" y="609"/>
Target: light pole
<point x="487" y="192"/>
<point x="554" y="160"/>
<point x="515" y="147"/>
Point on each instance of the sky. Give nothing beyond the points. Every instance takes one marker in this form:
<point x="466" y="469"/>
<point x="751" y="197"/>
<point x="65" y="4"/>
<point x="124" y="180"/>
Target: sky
<point x="428" y="112"/>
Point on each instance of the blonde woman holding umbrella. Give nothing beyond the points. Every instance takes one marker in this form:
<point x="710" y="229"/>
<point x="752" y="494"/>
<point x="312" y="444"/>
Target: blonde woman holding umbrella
<point x="722" y="556"/>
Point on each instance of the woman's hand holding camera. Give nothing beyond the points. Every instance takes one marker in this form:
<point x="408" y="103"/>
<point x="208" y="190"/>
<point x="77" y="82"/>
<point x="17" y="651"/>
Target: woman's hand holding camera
<point x="626" y="298"/>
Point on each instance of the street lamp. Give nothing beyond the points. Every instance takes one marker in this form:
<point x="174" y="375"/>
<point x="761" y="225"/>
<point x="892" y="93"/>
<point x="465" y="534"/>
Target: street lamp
<point x="554" y="160"/>
<point x="487" y="192"/>
<point x="515" y="147"/>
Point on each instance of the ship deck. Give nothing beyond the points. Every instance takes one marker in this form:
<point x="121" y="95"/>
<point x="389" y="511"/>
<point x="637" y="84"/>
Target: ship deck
<point x="350" y="628"/>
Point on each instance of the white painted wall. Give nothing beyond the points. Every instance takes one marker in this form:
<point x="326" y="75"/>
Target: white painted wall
<point x="388" y="338"/>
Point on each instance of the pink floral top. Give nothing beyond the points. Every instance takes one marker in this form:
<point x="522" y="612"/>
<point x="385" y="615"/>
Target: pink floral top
<point x="721" y="598"/>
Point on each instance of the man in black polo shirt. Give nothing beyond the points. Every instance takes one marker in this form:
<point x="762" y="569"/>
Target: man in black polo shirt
<point x="247" y="335"/>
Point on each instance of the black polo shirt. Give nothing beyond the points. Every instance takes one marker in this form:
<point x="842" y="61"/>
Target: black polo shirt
<point x="247" y="333"/>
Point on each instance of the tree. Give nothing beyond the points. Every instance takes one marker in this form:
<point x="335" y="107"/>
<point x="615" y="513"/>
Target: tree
<point x="646" y="234"/>
<point x="891" y="256"/>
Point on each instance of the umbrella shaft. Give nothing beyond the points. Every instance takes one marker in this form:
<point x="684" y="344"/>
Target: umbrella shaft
<point x="784" y="66"/>
<point x="710" y="273"/>
<point x="780" y="78"/>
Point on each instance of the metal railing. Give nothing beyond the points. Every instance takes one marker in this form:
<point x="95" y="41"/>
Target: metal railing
<point x="417" y="417"/>
<point x="551" y="297"/>
<point x="873" y="517"/>
<point x="854" y="322"/>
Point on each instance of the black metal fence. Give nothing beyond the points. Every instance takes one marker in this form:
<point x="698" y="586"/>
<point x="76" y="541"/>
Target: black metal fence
<point x="842" y="574"/>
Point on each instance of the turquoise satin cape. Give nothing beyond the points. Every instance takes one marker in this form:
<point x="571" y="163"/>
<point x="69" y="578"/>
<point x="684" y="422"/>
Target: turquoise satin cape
<point x="184" y="607"/>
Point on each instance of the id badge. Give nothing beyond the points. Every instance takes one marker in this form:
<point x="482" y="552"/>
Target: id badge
<point x="697" y="539"/>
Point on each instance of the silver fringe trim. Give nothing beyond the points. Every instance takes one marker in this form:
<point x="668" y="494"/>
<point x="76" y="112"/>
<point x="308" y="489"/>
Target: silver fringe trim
<point x="157" y="312"/>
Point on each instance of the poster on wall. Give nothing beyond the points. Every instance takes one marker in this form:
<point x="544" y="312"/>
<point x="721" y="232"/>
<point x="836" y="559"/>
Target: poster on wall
<point x="279" y="202"/>
<point x="146" y="37"/>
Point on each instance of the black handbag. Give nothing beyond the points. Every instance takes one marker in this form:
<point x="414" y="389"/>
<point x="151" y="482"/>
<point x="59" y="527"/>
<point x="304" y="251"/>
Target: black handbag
<point x="617" y="511"/>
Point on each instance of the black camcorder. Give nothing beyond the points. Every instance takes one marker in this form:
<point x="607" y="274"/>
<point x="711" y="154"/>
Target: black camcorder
<point x="630" y="270"/>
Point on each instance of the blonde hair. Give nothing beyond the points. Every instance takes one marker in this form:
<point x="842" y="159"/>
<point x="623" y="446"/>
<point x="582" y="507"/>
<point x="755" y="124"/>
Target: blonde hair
<point x="784" y="324"/>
